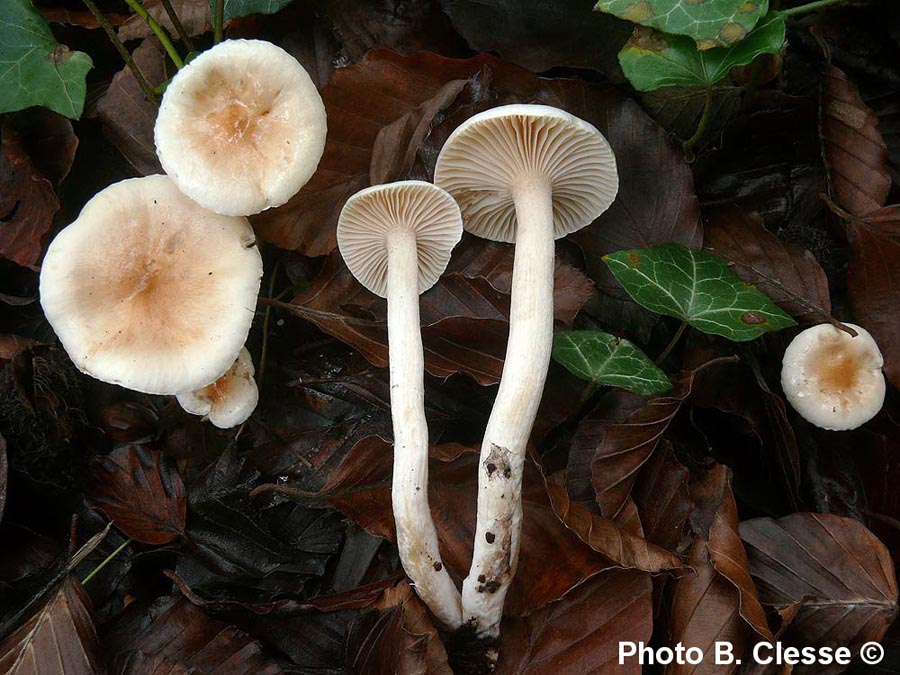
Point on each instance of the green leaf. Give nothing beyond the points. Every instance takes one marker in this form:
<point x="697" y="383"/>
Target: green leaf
<point x="235" y="9"/>
<point x="711" y="23"/>
<point x="34" y="68"/>
<point x="602" y="358"/>
<point x="651" y="59"/>
<point x="699" y="288"/>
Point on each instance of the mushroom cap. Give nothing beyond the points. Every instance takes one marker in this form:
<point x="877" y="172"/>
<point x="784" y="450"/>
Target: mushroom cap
<point x="241" y="128"/>
<point x="485" y="157"/>
<point x="371" y="215"/>
<point x="832" y="379"/>
<point x="228" y="401"/>
<point x="148" y="290"/>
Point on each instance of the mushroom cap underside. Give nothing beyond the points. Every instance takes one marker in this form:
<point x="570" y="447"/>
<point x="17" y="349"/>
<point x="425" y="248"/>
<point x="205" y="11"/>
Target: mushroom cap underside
<point x="493" y="154"/>
<point x="149" y="290"/>
<point x="371" y="216"/>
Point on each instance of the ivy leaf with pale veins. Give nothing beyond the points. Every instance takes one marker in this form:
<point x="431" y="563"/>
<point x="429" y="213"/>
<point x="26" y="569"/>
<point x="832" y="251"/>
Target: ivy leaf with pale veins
<point x="602" y="358"/>
<point x="651" y="59"/>
<point x="698" y="288"/>
<point x="711" y="23"/>
<point x="34" y="68"/>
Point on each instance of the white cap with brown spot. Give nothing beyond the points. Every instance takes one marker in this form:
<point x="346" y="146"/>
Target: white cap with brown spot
<point x="149" y="290"/>
<point x="228" y="401"/>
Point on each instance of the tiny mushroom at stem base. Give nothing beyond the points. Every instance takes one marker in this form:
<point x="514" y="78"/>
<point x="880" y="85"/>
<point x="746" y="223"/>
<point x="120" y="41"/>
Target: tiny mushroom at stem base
<point x="396" y="240"/>
<point x="833" y="379"/>
<point x="228" y="401"/>
<point x="527" y="174"/>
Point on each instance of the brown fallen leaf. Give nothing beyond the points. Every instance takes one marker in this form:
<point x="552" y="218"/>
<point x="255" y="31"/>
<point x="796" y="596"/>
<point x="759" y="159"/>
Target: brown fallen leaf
<point x="194" y="15"/>
<point x="873" y="279"/>
<point x="789" y="275"/>
<point x="662" y="498"/>
<point x="855" y="152"/>
<point x="624" y="448"/>
<point x="830" y="578"/>
<point x="59" y="639"/>
<point x="174" y="636"/>
<point x="127" y="116"/>
<point x="27" y="202"/>
<point x="581" y="632"/>
<point x="140" y="494"/>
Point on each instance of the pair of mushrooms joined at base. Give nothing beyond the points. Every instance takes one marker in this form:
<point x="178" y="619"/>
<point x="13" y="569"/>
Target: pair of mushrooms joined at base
<point x="154" y="286"/>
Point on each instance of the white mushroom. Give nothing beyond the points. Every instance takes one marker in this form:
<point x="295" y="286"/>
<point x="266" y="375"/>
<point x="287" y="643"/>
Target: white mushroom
<point x="148" y="290"/>
<point x="228" y="401"/>
<point x="526" y="174"/>
<point x="396" y="239"/>
<point x="833" y="379"/>
<point x="241" y="128"/>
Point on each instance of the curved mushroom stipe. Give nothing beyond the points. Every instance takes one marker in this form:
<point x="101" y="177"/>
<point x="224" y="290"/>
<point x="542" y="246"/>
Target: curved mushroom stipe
<point x="241" y="128"/>
<point x="149" y="290"/>
<point x="526" y="174"/>
<point x="396" y="239"/>
<point x="834" y="380"/>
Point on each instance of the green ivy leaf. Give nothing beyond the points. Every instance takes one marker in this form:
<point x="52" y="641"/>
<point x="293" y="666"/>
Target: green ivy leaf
<point x="696" y="287"/>
<point x="651" y="59"/>
<point x="601" y="358"/>
<point x="235" y="9"/>
<point x="711" y="23"/>
<point x="34" y="68"/>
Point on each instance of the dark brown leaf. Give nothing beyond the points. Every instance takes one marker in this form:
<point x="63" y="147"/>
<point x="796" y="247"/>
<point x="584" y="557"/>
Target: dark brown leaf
<point x="27" y="202"/>
<point x="662" y="498"/>
<point x="452" y="496"/>
<point x="831" y="579"/>
<point x="789" y="275"/>
<point x="174" y="636"/>
<point x="127" y="116"/>
<point x="873" y="279"/>
<point x="581" y="633"/>
<point x="621" y="545"/>
<point x="140" y="494"/>
<point x="624" y="448"/>
<point x="541" y="34"/>
<point x="58" y="640"/>
<point x="4" y="475"/>
<point x="194" y="15"/>
<point x="855" y="153"/>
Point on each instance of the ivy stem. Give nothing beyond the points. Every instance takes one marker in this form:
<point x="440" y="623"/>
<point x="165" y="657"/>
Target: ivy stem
<point x="672" y="343"/>
<point x="108" y="558"/>
<point x="117" y="43"/>
<point x="265" y="328"/>
<point x="179" y="27"/>
<point x="219" y="22"/>
<point x="158" y="30"/>
<point x="809" y="7"/>
<point x="688" y="145"/>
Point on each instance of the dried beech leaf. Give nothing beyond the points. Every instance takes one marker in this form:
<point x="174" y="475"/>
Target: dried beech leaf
<point x="140" y="494"/>
<point x="59" y="639"/>
<point x="835" y="578"/>
<point x="662" y="498"/>
<point x="624" y="448"/>
<point x="873" y="279"/>
<point x="174" y="636"/>
<point x="786" y="273"/>
<point x="855" y="153"/>
<point x="581" y="633"/>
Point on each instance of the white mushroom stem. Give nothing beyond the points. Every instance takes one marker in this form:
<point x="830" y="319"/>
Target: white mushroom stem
<point x="416" y="534"/>
<point x="496" y="550"/>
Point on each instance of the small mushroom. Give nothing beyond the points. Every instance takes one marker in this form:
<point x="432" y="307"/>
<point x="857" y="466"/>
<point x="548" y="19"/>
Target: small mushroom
<point x="241" y="128"/>
<point x="833" y="379"/>
<point x="228" y="401"/>
<point x="396" y="239"/>
<point x="150" y="291"/>
<point x="527" y="174"/>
